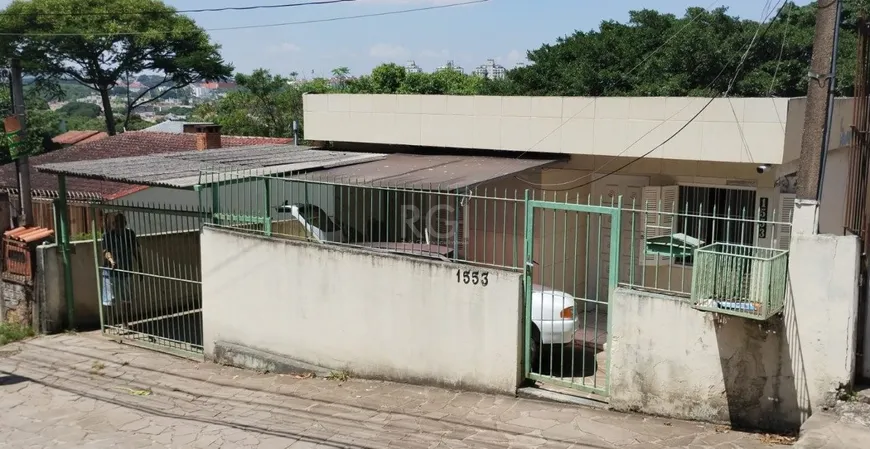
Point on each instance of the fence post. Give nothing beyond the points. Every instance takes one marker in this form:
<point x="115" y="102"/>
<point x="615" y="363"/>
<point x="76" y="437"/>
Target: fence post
<point x="97" y="259"/>
<point x="267" y="210"/>
<point x="528" y="247"/>
<point x="64" y="238"/>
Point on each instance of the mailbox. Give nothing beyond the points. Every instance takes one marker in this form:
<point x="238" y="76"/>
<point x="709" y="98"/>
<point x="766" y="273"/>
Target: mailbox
<point x="19" y="245"/>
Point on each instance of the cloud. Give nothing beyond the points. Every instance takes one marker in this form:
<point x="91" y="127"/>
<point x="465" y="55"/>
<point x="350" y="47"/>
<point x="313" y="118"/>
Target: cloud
<point x="388" y="51"/>
<point x="440" y="54"/>
<point x="511" y="59"/>
<point x="286" y="47"/>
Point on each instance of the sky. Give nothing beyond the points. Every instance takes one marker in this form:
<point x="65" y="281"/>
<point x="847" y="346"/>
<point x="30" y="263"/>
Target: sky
<point x="502" y="30"/>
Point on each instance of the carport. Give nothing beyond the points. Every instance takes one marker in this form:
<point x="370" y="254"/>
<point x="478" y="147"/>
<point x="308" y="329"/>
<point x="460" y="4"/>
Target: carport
<point x="164" y="285"/>
<point x="242" y="188"/>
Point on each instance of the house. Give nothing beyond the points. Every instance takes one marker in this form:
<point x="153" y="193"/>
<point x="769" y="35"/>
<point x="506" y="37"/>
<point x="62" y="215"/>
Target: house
<point x="83" y="191"/>
<point x="75" y="137"/>
<point x="714" y="170"/>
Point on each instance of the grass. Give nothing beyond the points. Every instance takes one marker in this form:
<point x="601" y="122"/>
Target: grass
<point x="10" y="332"/>
<point x="339" y="376"/>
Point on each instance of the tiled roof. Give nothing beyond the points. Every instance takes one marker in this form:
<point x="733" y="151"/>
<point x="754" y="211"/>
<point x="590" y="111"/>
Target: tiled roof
<point x="28" y="235"/>
<point x="139" y="143"/>
<point x="74" y="137"/>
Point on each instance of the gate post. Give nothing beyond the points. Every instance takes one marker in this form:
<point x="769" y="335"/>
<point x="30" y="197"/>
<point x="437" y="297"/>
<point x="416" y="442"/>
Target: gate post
<point x="528" y="240"/>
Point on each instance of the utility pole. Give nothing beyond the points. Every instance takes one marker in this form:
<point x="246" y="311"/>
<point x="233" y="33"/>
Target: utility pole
<point x="822" y="77"/>
<point x="22" y="164"/>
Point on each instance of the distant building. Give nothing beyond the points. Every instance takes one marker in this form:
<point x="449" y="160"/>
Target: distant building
<point x="490" y="70"/>
<point x="412" y="67"/>
<point x="451" y="66"/>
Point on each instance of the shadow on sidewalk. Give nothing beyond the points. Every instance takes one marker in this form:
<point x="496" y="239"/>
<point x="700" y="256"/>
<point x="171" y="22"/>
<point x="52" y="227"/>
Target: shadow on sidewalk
<point x="200" y="398"/>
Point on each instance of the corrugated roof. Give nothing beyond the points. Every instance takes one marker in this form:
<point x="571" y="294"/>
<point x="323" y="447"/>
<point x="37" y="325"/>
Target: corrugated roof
<point x="27" y="235"/>
<point x="428" y="172"/>
<point x="138" y="143"/>
<point x="183" y="170"/>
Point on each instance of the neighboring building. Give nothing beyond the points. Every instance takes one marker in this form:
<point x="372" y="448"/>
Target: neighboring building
<point x="451" y="66"/>
<point x="138" y="143"/>
<point x="490" y="70"/>
<point x="412" y="67"/>
<point x="75" y="137"/>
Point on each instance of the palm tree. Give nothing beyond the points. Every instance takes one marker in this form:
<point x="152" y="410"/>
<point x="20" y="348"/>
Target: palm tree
<point x="341" y="73"/>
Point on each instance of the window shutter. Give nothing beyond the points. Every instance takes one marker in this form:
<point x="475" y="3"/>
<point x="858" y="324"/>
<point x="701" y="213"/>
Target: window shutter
<point x="660" y="207"/>
<point x="783" y="230"/>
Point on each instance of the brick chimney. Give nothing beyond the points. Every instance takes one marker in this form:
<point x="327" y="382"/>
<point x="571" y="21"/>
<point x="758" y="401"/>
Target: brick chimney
<point x="208" y="136"/>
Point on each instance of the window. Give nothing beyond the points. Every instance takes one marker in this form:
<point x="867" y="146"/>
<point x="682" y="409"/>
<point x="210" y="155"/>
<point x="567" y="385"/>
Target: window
<point x="708" y="214"/>
<point x="717" y="215"/>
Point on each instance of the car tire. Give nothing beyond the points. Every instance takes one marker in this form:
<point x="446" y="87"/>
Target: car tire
<point x="535" y="352"/>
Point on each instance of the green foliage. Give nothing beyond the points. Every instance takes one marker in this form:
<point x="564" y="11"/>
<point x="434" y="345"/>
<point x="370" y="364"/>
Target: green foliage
<point x="42" y="124"/>
<point x="602" y="62"/>
<point x="166" y="43"/>
<point x="265" y="105"/>
<point x="12" y="332"/>
<point x="86" y="110"/>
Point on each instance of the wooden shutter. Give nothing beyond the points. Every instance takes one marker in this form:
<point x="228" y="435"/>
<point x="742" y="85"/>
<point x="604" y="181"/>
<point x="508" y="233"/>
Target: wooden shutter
<point x="659" y="218"/>
<point x="783" y="230"/>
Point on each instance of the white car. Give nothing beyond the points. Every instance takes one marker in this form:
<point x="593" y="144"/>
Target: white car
<point x="554" y="319"/>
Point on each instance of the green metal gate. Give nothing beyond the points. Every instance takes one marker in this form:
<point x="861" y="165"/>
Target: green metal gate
<point x="567" y="324"/>
<point x="152" y="295"/>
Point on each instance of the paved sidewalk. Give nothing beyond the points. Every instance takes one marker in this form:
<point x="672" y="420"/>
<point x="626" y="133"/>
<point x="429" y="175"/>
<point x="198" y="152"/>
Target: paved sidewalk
<point x="82" y="391"/>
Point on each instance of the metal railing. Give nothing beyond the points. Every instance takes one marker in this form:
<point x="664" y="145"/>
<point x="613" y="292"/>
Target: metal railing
<point x="740" y="280"/>
<point x="661" y="243"/>
<point x="486" y="225"/>
<point x="481" y="226"/>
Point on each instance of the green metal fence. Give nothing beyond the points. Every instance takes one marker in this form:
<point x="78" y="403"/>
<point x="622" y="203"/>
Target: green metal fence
<point x="661" y="242"/>
<point x="480" y="225"/>
<point x="148" y="272"/>
<point x="571" y="254"/>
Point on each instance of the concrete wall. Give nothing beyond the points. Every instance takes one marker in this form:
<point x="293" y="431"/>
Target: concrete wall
<point x="823" y="275"/>
<point x="670" y="359"/>
<point x="381" y="316"/>
<point x="571" y="125"/>
<point x="673" y="360"/>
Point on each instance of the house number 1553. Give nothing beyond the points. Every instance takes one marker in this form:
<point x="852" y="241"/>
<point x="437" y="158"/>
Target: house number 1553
<point x="472" y="277"/>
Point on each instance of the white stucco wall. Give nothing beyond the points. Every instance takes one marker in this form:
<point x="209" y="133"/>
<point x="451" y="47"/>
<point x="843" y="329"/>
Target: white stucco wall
<point x="750" y="130"/>
<point x="823" y="273"/>
<point x="381" y="316"/>
<point x="672" y="360"/>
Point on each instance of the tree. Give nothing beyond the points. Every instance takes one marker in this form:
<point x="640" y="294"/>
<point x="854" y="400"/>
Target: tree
<point x="264" y="105"/>
<point x="341" y="73"/>
<point x="111" y="46"/>
<point x="683" y="56"/>
<point x="86" y="110"/>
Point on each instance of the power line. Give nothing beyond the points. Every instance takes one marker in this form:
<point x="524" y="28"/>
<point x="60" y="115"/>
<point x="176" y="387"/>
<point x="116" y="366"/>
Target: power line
<point x="755" y="37"/>
<point x="246" y="27"/>
<point x="181" y="11"/>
